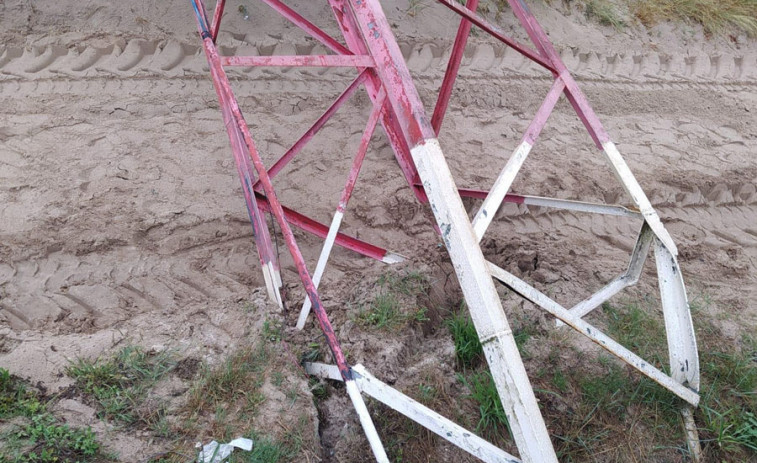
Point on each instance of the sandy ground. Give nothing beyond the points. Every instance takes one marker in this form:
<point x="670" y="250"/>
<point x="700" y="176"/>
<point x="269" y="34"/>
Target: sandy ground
<point x="121" y="215"/>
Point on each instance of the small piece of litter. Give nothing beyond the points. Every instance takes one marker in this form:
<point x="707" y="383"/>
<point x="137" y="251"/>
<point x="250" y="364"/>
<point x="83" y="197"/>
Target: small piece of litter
<point x="217" y="453"/>
<point x="244" y="13"/>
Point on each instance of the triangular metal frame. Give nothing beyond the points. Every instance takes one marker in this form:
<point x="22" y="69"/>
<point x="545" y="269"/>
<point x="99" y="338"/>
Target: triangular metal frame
<point x="373" y="51"/>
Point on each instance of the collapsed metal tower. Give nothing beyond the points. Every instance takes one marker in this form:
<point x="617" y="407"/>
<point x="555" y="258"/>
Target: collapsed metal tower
<point x="370" y="47"/>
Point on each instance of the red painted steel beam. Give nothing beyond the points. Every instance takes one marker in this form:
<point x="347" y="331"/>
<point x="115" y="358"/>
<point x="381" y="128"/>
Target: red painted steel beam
<point x="389" y="120"/>
<point x="244" y="169"/>
<point x="217" y="14"/>
<point x="543" y="113"/>
<point x="359" y="61"/>
<point x="372" y="25"/>
<point x="497" y="33"/>
<point x="452" y="68"/>
<point x="308" y="27"/>
<point x="224" y="87"/>
<point x="320" y="230"/>
<point x="310" y="133"/>
<point x="357" y="163"/>
<point x="575" y="96"/>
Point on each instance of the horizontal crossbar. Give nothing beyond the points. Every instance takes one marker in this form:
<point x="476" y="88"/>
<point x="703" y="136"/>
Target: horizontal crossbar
<point x="566" y="204"/>
<point x="358" y="61"/>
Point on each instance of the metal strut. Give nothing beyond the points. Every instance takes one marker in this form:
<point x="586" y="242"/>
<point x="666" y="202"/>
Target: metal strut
<point x="372" y="50"/>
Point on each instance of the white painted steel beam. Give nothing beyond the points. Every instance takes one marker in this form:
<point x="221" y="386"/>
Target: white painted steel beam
<point x="632" y="187"/>
<point x="509" y="374"/>
<point x="580" y="206"/>
<point x="429" y="419"/>
<point x="365" y="420"/>
<point x="596" y="299"/>
<point x="532" y="294"/>
<point x="499" y="190"/>
<point x="323" y="370"/>
<point x="682" y="344"/>
<point x="518" y="400"/>
<point x="328" y="245"/>
<point x="629" y="278"/>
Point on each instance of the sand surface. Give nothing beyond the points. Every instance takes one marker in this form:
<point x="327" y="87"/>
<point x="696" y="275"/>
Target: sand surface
<point x="121" y="216"/>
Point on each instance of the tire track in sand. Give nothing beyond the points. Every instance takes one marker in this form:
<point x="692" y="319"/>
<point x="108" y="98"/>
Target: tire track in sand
<point x="172" y="58"/>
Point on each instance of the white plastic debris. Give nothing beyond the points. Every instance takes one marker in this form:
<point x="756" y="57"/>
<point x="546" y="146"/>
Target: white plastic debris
<point x="218" y="453"/>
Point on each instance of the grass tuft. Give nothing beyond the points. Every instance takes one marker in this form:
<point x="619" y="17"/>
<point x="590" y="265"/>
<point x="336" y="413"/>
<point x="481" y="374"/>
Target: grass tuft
<point x="385" y="311"/>
<point x="52" y="442"/>
<point x="468" y="350"/>
<point x="39" y="437"/>
<point x="492" y="420"/>
<point x="728" y="407"/>
<point x="120" y="384"/>
<point x="716" y="16"/>
<point x="617" y="397"/>
<point x="15" y="398"/>
<point x="238" y="378"/>
<point x="604" y="12"/>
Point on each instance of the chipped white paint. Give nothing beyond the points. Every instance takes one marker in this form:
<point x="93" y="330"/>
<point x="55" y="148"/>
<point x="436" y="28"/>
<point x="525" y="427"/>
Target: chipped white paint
<point x="682" y="344"/>
<point x="509" y="374"/>
<point x="419" y="413"/>
<point x="323" y="370"/>
<point x="393" y="258"/>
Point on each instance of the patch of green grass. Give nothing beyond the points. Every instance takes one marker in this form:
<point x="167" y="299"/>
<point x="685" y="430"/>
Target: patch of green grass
<point x="51" y="442"/>
<point x="409" y="283"/>
<point x="267" y="450"/>
<point x="729" y="395"/>
<point x="318" y="388"/>
<point x="616" y="396"/>
<point x="312" y="354"/>
<point x="604" y="12"/>
<point x="383" y="313"/>
<point x="386" y="311"/>
<point x="427" y="393"/>
<point x="492" y="419"/>
<point x="468" y="350"/>
<point x="716" y="16"/>
<point x="15" y="398"/>
<point x="522" y="334"/>
<point x="120" y="384"/>
<point x="39" y="437"/>
<point x="560" y="381"/>
<point x="635" y="328"/>
<point x="240" y="376"/>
